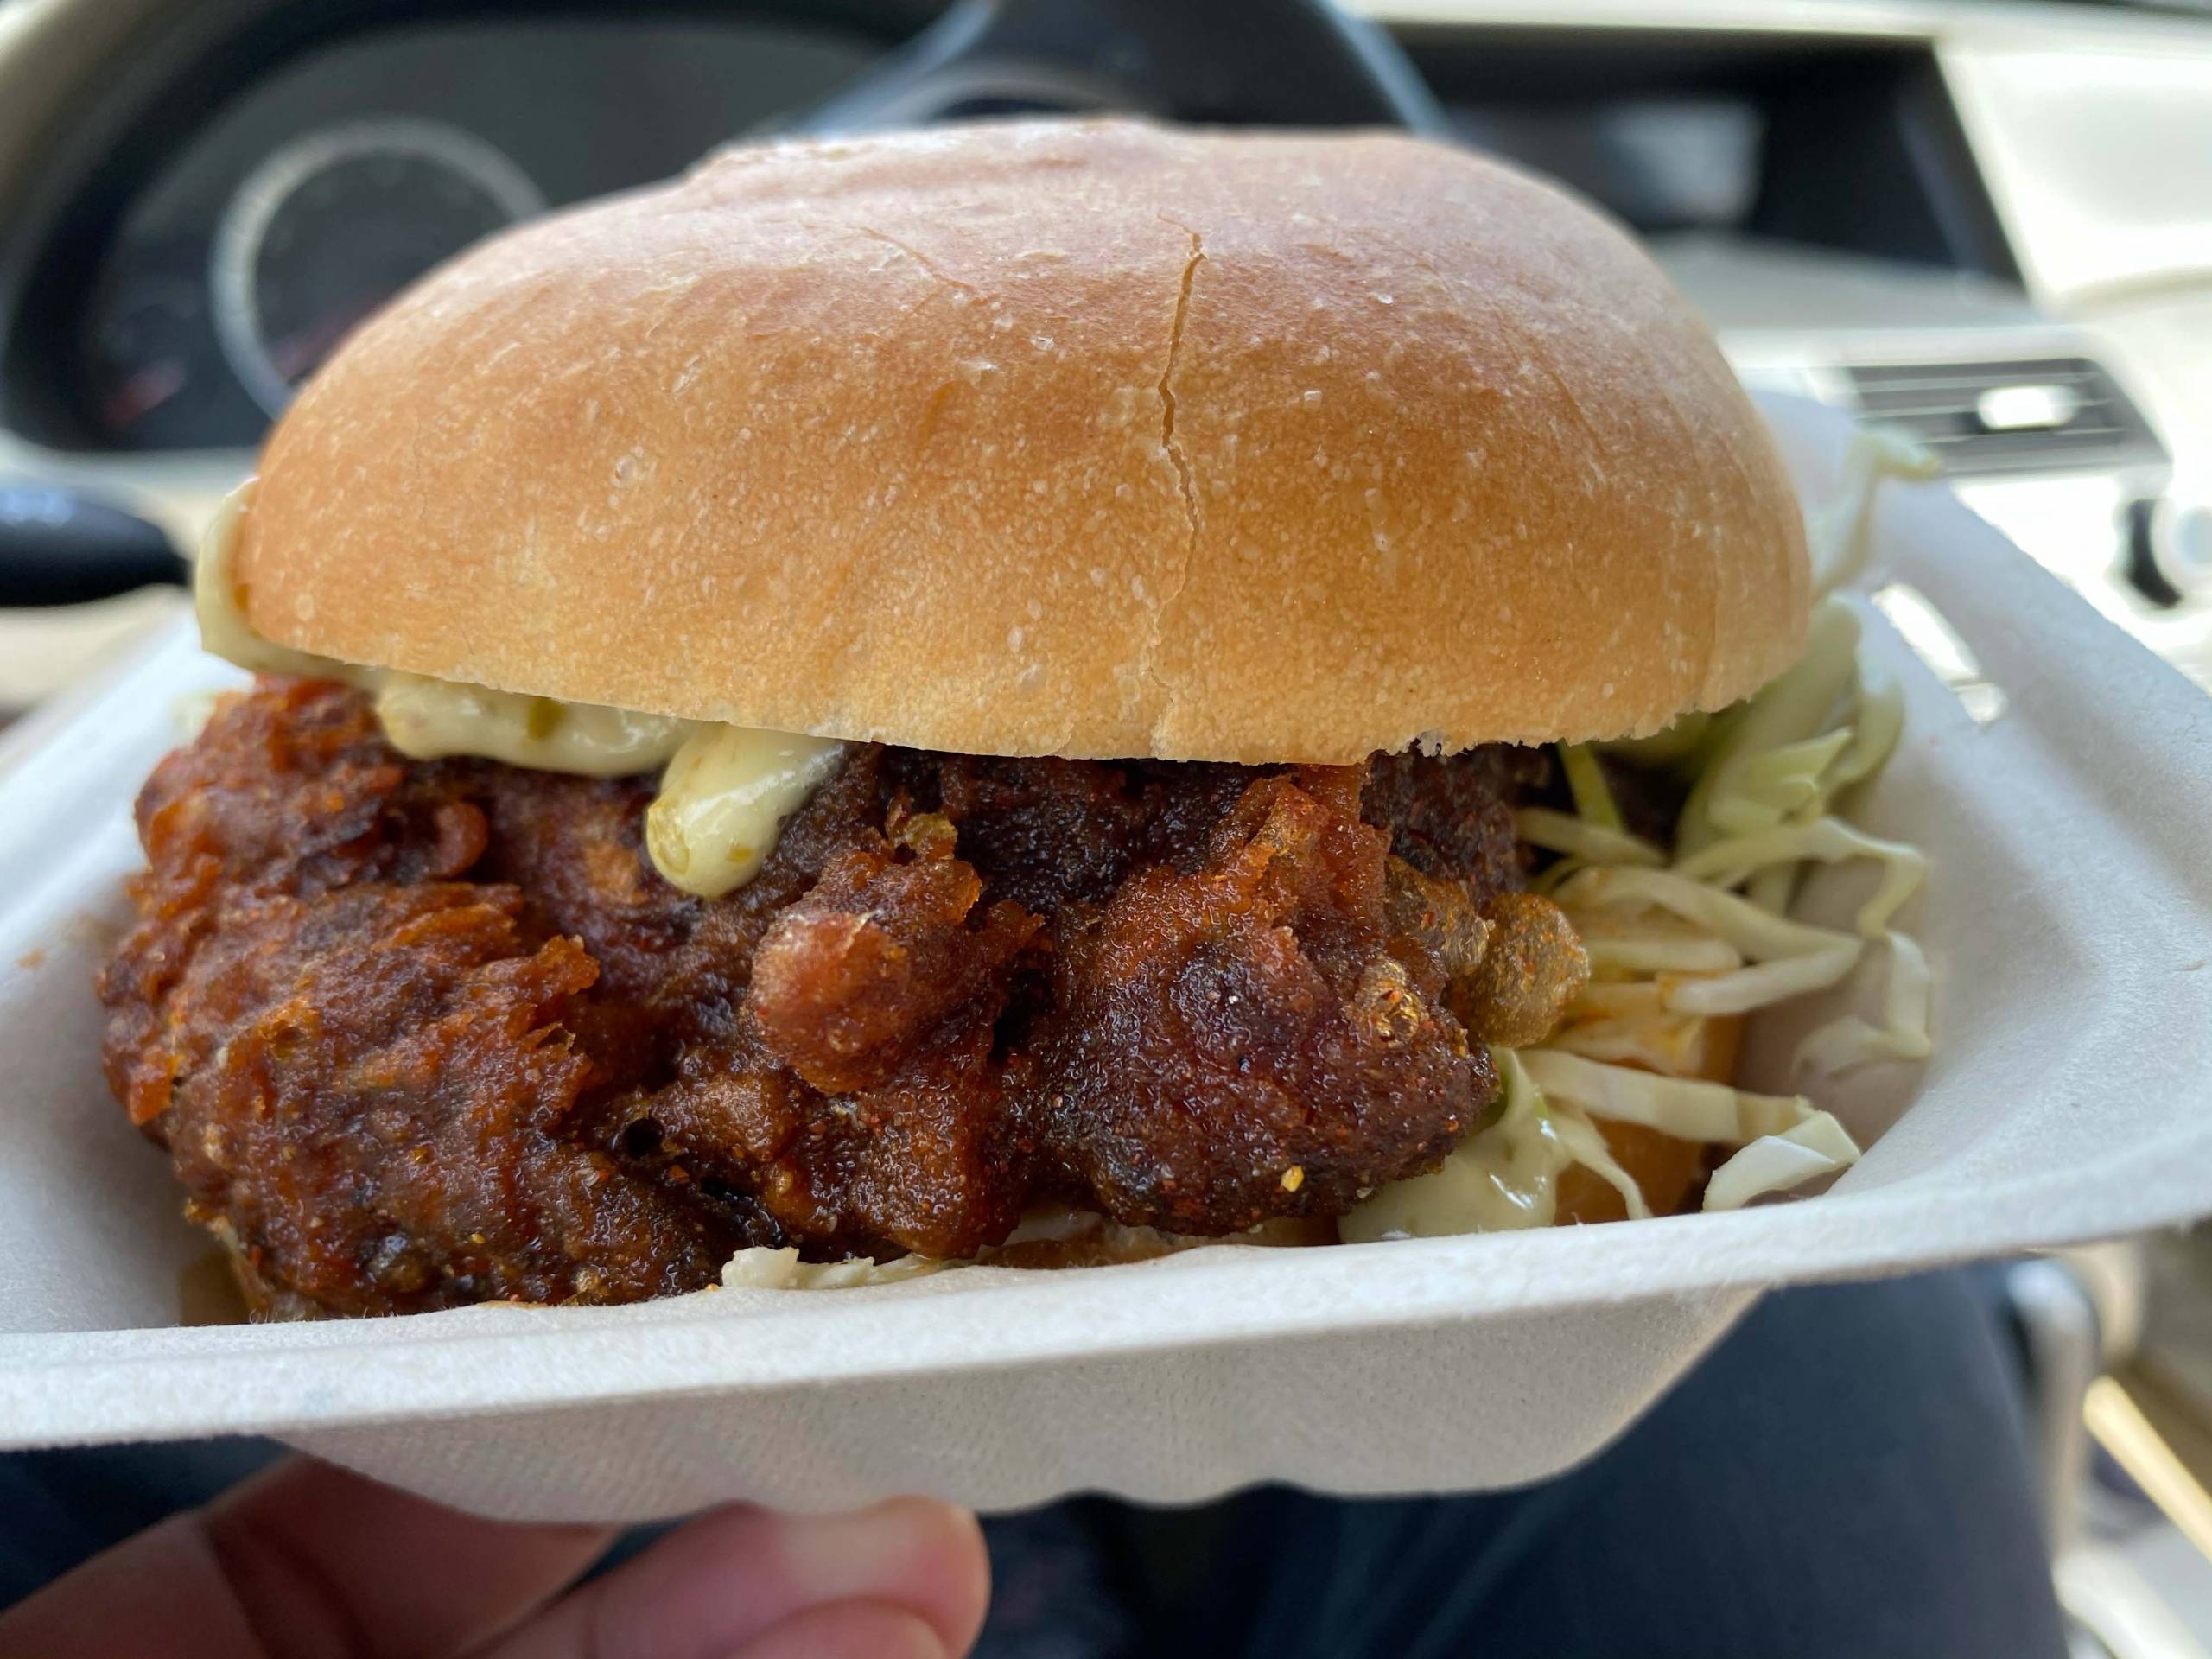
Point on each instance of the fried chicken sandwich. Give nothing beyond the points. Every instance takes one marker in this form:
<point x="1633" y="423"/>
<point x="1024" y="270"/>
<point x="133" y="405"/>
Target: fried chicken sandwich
<point x="890" y="688"/>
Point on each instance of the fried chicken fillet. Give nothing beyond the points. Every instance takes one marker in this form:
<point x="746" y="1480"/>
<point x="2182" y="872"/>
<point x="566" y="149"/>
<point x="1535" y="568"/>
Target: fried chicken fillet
<point x="424" y="1033"/>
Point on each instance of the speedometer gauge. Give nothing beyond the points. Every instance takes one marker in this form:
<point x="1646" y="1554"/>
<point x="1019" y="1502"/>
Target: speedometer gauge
<point x="331" y="227"/>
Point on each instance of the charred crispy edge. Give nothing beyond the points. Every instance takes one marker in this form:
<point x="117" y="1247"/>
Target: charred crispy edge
<point x="266" y="1303"/>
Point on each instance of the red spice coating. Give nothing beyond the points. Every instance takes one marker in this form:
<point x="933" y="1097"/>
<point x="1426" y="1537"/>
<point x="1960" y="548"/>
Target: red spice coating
<point x="418" y="1034"/>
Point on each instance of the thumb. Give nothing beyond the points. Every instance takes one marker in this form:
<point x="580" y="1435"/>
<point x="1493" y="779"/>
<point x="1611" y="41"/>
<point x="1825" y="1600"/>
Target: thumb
<point x="906" y="1579"/>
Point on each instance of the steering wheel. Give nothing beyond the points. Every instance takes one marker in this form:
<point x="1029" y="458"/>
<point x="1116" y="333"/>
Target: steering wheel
<point x="1266" y="62"/>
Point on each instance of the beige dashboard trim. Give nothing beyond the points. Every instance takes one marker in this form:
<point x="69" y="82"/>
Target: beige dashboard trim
<point x="2009" y="23"/>
<point x="50" y="51"/>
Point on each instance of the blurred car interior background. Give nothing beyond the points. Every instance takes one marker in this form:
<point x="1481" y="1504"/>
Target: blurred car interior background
<point x="1988" y="224"/>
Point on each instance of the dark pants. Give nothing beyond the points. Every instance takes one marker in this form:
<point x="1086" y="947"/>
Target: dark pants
<point x="1845" y="1475"/>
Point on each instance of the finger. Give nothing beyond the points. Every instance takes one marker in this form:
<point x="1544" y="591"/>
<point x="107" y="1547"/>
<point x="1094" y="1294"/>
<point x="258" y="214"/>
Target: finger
<point x="303" y="1561"/>
<point x="322" y="1561"/>
<point x="733" y="1575"/>
<point x="851" y="1630"/>
<point x="161" y="1593"/>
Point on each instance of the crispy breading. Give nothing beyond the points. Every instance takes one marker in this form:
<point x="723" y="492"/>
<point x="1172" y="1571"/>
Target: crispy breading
<point x="421" y="1033"/>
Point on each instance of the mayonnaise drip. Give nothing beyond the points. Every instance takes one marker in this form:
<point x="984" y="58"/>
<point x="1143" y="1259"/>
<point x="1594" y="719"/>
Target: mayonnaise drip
<point x="1501" y="1178"/>
<point x="725" y="791"/>
<point x="722" y="798"/>
<point x="219" y="604"/>
<point x="428" y="720"/>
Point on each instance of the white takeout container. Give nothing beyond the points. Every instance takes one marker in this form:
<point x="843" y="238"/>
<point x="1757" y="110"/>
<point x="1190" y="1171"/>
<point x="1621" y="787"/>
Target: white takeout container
<point x="2068" y="920"/>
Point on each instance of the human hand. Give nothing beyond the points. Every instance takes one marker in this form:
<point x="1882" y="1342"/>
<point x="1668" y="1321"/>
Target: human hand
<point x="307" y="1561"/>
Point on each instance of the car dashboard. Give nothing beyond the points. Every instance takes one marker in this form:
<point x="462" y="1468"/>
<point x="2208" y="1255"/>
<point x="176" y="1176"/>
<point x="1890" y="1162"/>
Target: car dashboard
<point x="1835" y="182"/>
<point x="220" y="252"/>
<point x="186" y="304"/>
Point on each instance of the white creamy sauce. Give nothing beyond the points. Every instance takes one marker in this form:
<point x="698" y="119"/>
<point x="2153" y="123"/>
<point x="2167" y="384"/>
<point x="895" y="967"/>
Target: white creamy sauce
<point x="1500" y="1178"/>
<point x="218" y="603"/>
<point x="428" y="720"/>
<point x="725" y="793"/>
<point x="724" y="798"/>
<point x="1512" y="1180"/>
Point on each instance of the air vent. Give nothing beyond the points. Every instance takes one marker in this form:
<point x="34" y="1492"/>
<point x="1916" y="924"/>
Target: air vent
<point x="2034" y="415"/>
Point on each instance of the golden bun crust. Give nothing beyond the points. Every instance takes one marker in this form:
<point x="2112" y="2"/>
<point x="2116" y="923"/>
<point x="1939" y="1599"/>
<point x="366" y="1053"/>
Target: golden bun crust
<point x="1088" y="439"/>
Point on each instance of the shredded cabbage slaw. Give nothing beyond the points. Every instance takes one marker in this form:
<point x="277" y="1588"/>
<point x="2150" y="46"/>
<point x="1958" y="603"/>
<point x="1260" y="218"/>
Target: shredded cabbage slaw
<point x="1674" y="943"/>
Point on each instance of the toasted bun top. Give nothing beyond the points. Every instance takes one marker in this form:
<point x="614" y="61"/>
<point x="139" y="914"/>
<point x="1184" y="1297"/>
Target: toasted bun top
<point x="1088" y="439"/>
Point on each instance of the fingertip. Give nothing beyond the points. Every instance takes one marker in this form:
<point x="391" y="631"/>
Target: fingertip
<point x="972" y="1580"/>
<point x="966" y="1573"/>
<point x="850" y="1629"/>
<point x="955" y="1537"/>
<point x="915" y="1553"/>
